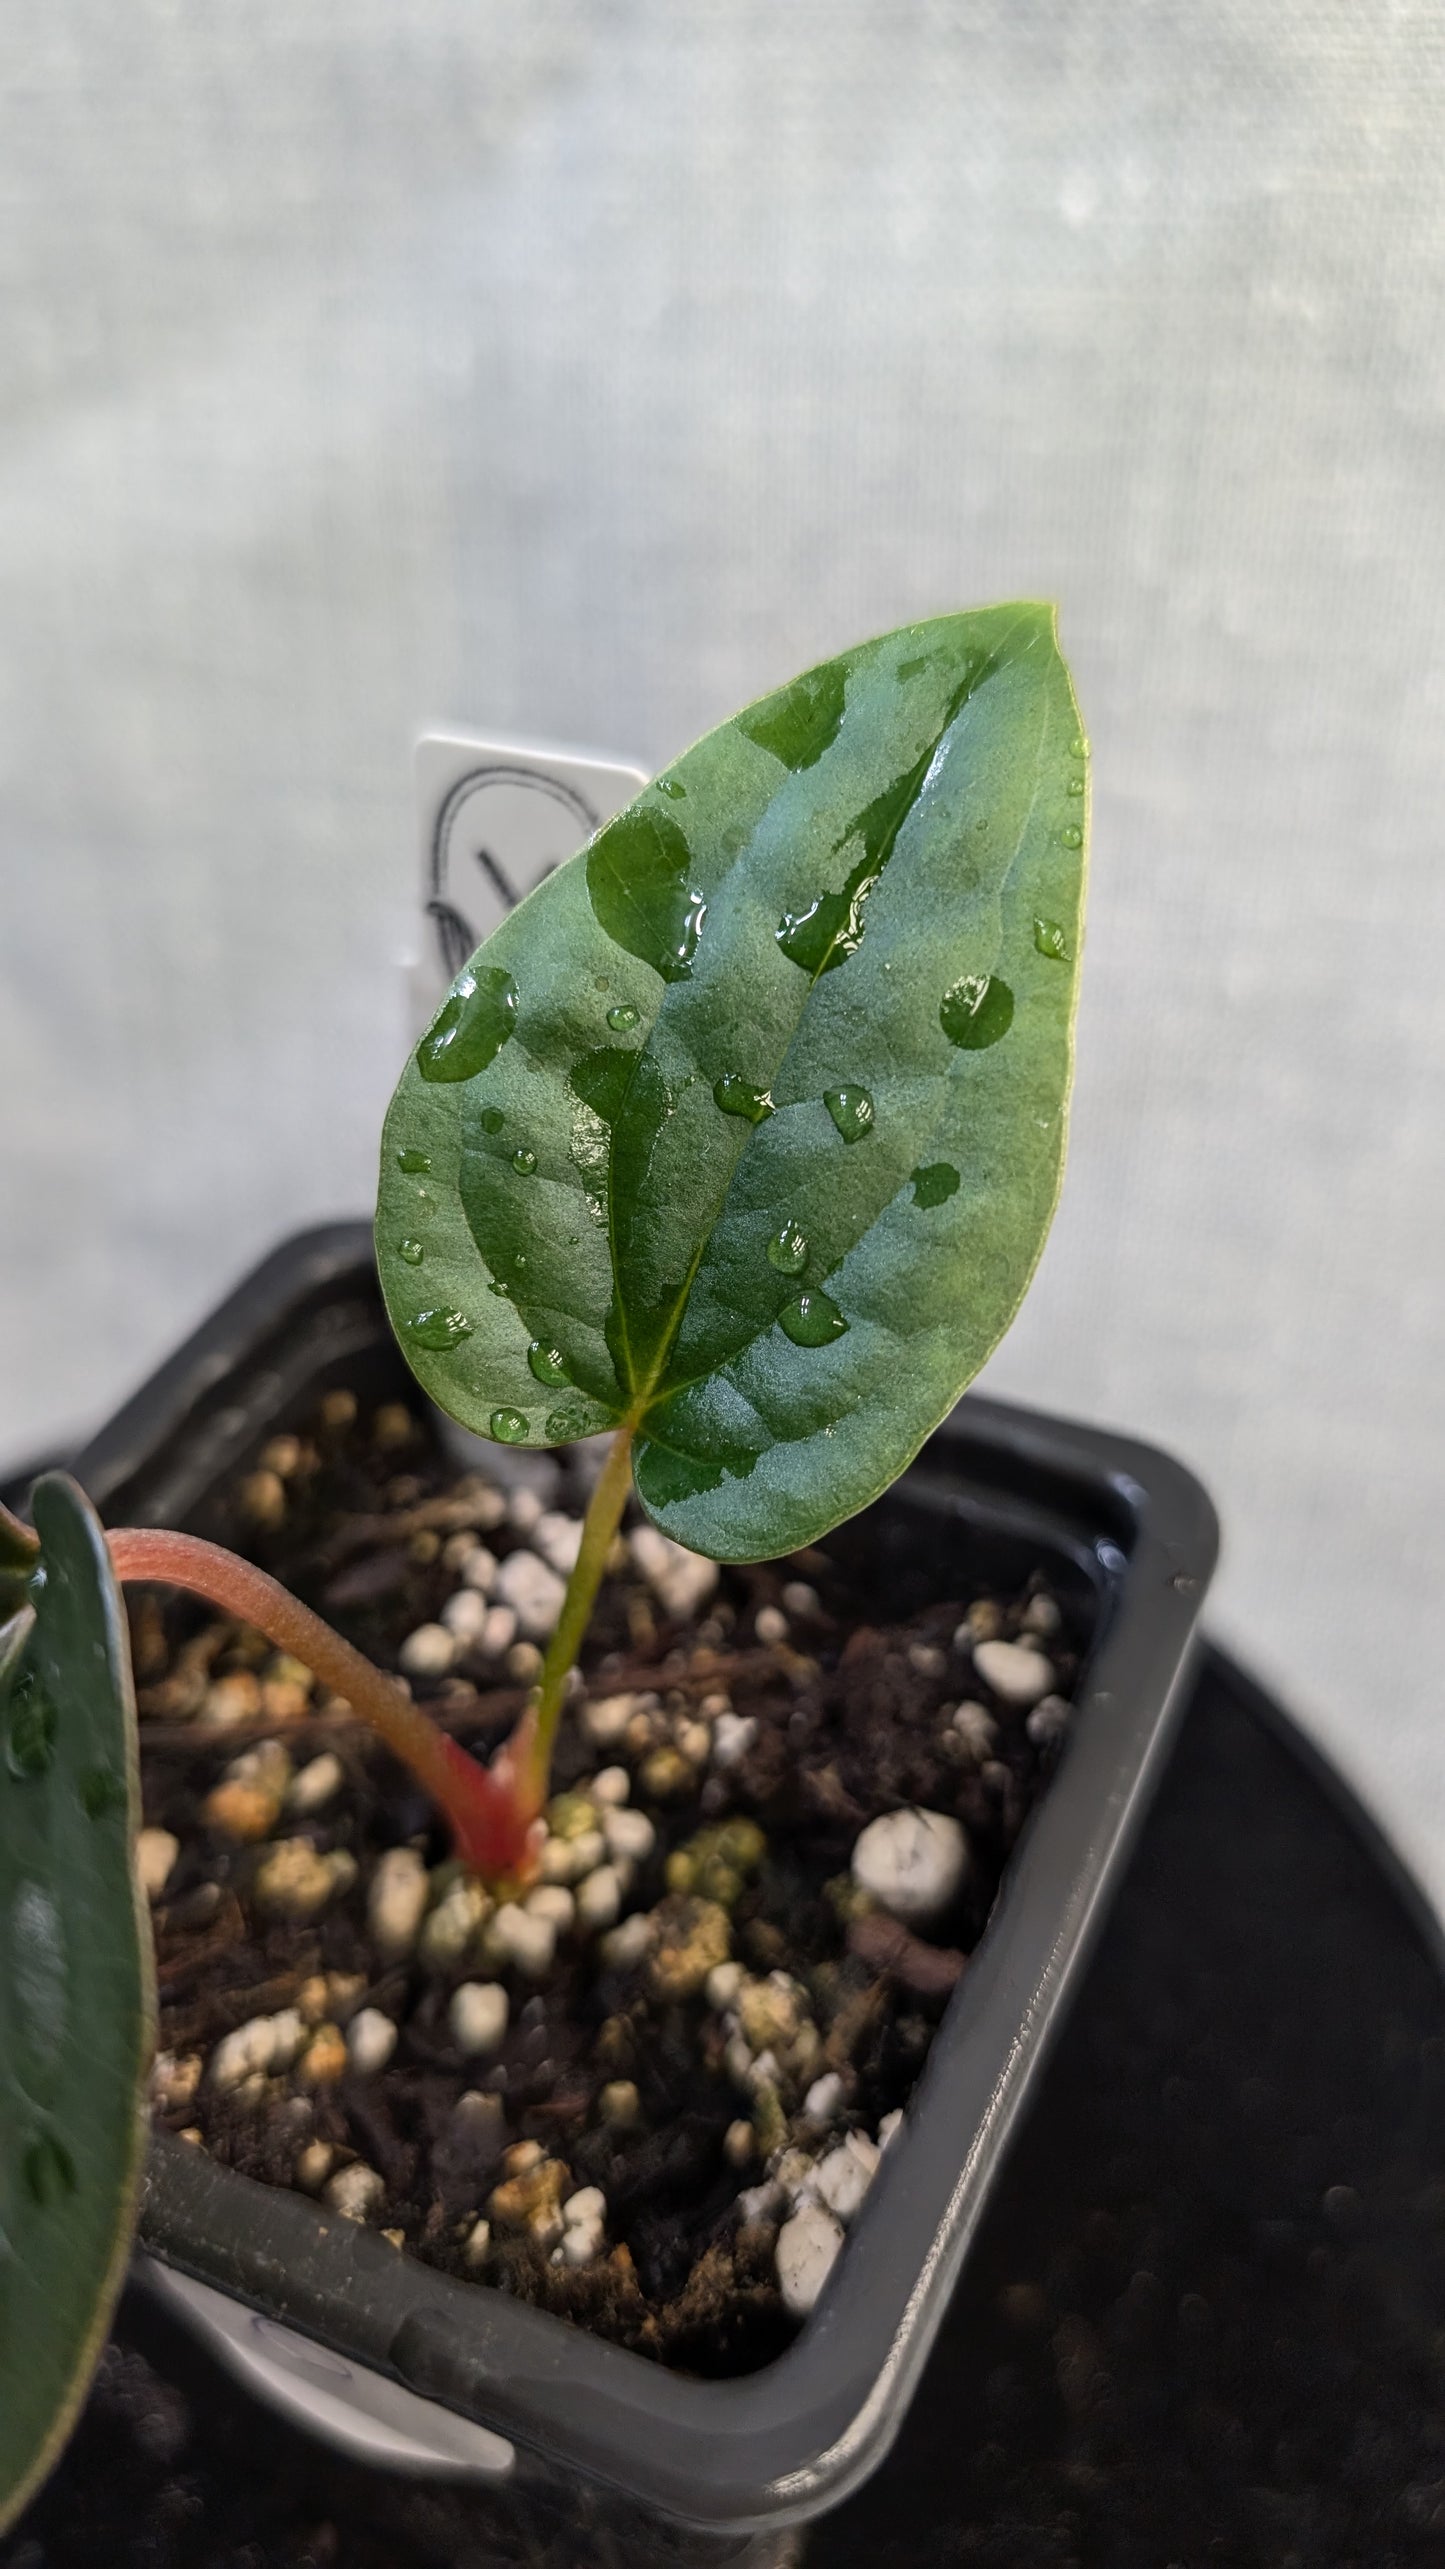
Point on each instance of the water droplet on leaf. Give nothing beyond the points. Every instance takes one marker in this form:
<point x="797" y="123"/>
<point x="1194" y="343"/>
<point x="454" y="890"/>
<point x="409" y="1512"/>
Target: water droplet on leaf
<point x="1078" y="746"/>
<point x="736" y="1096"/>
<point x="524" y="1161"/>
<point x="101" y="1791"/>
<point x="503" y="1292"/>
<point x="1076" y="784"/>
<point x="546" y="1363"/>
<point x="48" y="2169"/>
<point x="509" y="1427"/>
<point x="788" y="1251"/>
<point x="935" y="1184"/>
<point x="673" y="788"/>
<point x="491" y="1119"/>
<point x="802" y="719"/>
<point x="471" y="1026"/>
<point x="439" y="1330"/>
<point x="1071" y="837"/>
<point x="411" y="1252"/>
<point x="563" y="1425"/>
<point x="977" y="1011"/>
<point x="852" y="1111"/>
<point x="414" y="1163"/>
<point x="812" y="1321"/>
<point x="638" y="871"/>
<point x="30" y="1744"/>
<point x="623" y="1018"/>
<point x="1050" y="938"/>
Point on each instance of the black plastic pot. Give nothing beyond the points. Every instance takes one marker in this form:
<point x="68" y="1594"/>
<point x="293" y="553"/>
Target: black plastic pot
<point x="545" y="2442"/>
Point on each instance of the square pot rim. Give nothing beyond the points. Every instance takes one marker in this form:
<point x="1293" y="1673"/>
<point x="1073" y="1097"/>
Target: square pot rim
<point x="777" y="2445"/>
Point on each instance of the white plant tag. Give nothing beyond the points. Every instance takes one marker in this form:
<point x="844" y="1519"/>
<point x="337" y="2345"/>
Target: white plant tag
<point x="495" y="817"/>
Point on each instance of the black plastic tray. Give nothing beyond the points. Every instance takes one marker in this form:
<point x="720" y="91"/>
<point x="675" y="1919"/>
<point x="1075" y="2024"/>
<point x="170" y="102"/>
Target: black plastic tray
<point x="668" y="2465"/>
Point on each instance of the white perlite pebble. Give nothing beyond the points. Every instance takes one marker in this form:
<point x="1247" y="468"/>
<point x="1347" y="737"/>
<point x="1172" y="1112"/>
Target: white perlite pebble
<point x="843" y="2178"/>
<point x="629" y="1942"/>
<point x="732" y="1736"/>
<point x="428" y="1652"/>
<point x="680" y="1580"/>
<point x="589" y="2203"/>
<point x="977" y="1729"/>
<point x="630" y="1835"/>
<point x="1048" y="1721"/>
<point x="478" y="2017"/>
<point x="890" y="2127"/>
<point x="355" y="2192"/>
<point x="155" y="1855"/>
<point x="317" y="1784"/>
<point x="524" y="1510"/>
<point x="465" y="1617"/>
<point x="397" y="1902"/>
<point x="606" y="1721"/>
<point x="912" y="1862"/>
<point x="448" y="1929"/>
<point x="527" y="1942"/>
<point x="1041" y="1615"/>
<point x="479" y="2240"/>
<point x="553" y="1901"/>
<point x="599" y="1899"/>
<point x="478" y="1569"/>
<point x="370" y="2041"/>
<point x="770" y="1625"/>
<point x="1017" y="1676"/>
<point x="799" y="1599"/>
<point x="808" y="2244"/>
<point x="824" y="2097"/>
<point x="534" y="1593"/>
<point x="588" y="1852"/>
<point x="265" y="2044"/>
<point x="559" y="1540"/>
<point x="499" y="1631"/>
<point x="611" y="1788"/>
<point x="723" y="1983"/>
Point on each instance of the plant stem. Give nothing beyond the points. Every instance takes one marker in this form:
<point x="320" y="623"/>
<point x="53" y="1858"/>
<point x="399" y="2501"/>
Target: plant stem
<point x="538" y="1727"/>
<point x="491" y="1810"/>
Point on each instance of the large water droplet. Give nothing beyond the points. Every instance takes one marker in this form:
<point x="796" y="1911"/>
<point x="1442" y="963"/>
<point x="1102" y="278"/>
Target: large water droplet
<point x="801" y="720"/>
<point x="820" y="938"/>
<point x="563" y="1425"/>
<point x="411" y="1252"/>
<point x="491" y="1119"/>
<point x="673" y="788"/>
<point x="736" y="1096"/>
<point x="977" y="1011"/>
<point x="638" y="871"/>
<point x="547" y="1363"/>
<point x="48" y="2170"/>
<point x="524" y="1161"/>
<point x="415" y="1163"/>
<point x="30" y="1739"/>
<point x="622" y="1018"/>
<point x="1071" y="837"/>
<point x="935" y="1184"/>
<point x="1051" y="939"/>
<point x="1078" y="746"/>
<point x="1076" y="784"/>
<point x="509" y="1427"/>
<point x="471" y="1026"/>
<point x="788" y="1250"/>
<point x="852" y="1111"/>
<point x="812" y="1320"/>
<point x="101" y="1792"/>
<point x="439" y="1330"/>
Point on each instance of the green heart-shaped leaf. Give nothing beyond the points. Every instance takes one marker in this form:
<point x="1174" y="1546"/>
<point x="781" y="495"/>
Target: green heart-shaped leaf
<point x="749" y="1123"/>
<point x="75" y="1984"/>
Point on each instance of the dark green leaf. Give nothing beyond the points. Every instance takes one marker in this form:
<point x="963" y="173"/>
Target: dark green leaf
<point x="75" y="1985"/>
<point x="769" y="1152"/>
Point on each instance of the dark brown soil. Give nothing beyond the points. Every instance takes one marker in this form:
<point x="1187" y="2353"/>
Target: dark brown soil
<point x="852" y="1720"/>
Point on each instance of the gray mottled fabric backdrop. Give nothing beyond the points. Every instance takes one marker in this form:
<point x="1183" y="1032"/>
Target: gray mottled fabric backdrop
<point x="585" y="368"/>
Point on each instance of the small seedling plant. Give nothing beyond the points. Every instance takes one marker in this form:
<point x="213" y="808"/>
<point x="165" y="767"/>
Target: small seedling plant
<point x="738" y="1142"/>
